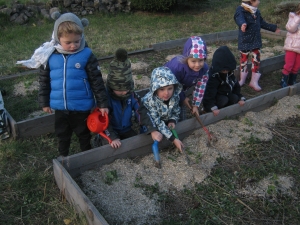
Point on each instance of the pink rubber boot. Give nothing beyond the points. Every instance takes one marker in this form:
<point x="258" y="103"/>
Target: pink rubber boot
<point x="243" y="76"/>
<point x="254" y="81"/>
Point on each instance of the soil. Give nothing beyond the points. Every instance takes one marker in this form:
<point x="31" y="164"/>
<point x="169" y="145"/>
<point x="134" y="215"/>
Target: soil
<point x="126" y="200"/>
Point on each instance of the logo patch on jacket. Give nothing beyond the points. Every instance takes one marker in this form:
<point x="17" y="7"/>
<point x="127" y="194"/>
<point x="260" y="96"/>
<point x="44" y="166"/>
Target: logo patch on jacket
<point x="77" y="65"/>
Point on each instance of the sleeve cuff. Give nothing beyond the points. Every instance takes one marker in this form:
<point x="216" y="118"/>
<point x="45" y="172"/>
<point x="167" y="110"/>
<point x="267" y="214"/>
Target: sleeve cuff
<point x="172" y="138"/>
<point x="214" y="108"/>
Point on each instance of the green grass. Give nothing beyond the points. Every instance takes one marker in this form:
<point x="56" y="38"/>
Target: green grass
<point x="29" y="194"/>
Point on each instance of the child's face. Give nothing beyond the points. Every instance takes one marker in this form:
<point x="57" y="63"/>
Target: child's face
<point x="255" y="3"/>
<point x="224" y="71"/>
<point x="166" y="92"/>
<point x="195" y="64"/>
<point x="70" y="42"/>
<point x="120" y="93"/>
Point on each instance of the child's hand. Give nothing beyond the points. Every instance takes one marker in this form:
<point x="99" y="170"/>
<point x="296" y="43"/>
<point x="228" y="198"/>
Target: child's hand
<point x="104" y="110"/>
<point x="241" y="103"/>
<point x="216" y="112"/>
<point x="277" y="31"/>
<point x="178" y="144"/>
<point x="115" y="143"/>
<point x="186" y="102"/>
<point x="47" y="110"/>
<point x="171" y="125"/>
<point x="195" y="110"/>
<point x="243" y="27"/>
<point x="156" y="136"/>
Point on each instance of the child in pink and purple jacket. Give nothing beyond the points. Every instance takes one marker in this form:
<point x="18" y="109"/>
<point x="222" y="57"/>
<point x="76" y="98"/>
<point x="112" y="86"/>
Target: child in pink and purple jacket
<point x="191" y="70"/>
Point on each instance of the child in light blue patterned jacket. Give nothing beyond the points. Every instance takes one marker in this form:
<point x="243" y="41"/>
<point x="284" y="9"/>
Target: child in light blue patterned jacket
<point x="160" y="106"/>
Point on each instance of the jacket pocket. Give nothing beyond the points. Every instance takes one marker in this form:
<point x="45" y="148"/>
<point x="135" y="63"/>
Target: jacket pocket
<point x="87" y="87"/>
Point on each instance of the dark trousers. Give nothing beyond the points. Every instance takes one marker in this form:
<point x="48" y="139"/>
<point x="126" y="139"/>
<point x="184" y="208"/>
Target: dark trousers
<point x="67" y="122"/>
<point x="225" y="100"/>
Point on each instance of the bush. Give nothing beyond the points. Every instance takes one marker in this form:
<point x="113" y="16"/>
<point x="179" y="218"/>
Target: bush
<point x="166" y="5"/>
<point x="192" y="3"/>
<point x="153" y="5"/>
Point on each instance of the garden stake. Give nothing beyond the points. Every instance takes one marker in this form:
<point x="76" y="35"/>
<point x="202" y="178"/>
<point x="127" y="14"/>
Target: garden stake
<point x="182" y="149"/>
<point x="156" y="154"/>
<point x="211" y="137"/>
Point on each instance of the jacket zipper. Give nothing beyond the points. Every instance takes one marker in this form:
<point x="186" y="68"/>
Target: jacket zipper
<point x="64" y="83"/>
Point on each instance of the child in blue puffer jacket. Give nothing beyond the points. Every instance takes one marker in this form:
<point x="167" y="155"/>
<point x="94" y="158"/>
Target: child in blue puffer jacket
<point x="70" y="81"/>
<point x="191" y="70"/>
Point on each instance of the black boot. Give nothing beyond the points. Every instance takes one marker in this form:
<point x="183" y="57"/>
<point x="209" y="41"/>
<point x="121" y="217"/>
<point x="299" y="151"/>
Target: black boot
<point x="292" y="79"/>
<point x="284" y="80"/>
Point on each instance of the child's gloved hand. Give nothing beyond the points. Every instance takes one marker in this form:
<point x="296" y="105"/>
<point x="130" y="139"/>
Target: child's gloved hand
<point x="115" y="143"/>
<point x="243" y="27"/>
<point x="241" y="103"/>
<point x="178" y="144"/>
<point x="47" y="110"/>
<point x="216" y="112"/>
<point x="156" y="136"/>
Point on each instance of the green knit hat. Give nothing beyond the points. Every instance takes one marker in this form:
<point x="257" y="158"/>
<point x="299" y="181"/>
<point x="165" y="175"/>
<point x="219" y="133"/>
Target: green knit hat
<point x="120" y="77"/>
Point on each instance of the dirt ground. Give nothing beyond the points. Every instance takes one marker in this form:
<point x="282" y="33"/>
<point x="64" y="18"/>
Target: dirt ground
<point x="124" y="199"/>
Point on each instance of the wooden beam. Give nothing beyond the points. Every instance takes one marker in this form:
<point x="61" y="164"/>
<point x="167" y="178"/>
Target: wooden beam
<point x="36" y="126"/>
<point x="72" y="192"/>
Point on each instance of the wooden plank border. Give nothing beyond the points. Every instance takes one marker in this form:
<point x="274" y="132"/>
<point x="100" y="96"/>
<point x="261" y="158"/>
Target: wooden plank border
<point x="141" y="144"/>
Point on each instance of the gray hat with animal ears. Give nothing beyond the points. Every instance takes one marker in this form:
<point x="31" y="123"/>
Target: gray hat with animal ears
<point x="60" y="18"/>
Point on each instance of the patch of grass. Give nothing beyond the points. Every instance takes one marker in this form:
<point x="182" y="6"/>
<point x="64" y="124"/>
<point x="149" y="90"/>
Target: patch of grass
<point x="29" y="194"/>
<point x="18" y="106"/>
<point x="247" y="121"/>
<point x="149" y="190"/>
<point x="110" y="177"/>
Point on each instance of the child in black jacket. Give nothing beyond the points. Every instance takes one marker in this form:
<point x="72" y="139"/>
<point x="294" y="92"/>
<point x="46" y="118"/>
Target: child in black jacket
<point x="222" y="88"/>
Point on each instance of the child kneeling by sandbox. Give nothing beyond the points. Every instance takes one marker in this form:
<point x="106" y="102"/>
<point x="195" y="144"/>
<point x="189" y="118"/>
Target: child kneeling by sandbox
<point x="160" y="108"/>
<point x="222" y="88"/>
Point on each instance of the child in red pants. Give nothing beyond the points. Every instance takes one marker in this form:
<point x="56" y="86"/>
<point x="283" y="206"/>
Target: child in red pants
<point x="292" y="49"/>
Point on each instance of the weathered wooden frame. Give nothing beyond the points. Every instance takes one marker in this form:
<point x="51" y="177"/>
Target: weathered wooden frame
<point x="72" y="166"/>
